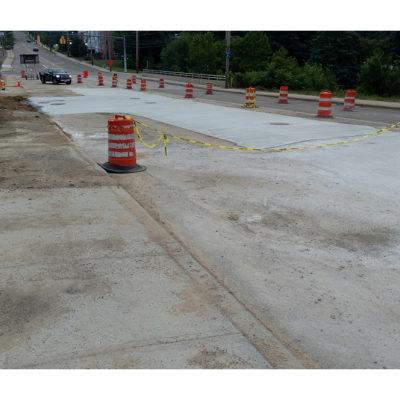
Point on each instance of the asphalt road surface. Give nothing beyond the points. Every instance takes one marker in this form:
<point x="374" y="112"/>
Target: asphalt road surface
<point x="304" y="108"/>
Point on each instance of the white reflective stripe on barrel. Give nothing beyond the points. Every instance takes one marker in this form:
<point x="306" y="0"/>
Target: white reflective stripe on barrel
<point x="120" y="137"/>
<point x="121" y="128"/>
<point x="121" y="146"/>
<point x="118" y="154"/>
<point x="324" y="108"/>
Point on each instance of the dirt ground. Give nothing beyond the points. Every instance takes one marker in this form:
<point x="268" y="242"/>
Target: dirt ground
<point x="34" y="166"/>
<point x="13" y="103"/>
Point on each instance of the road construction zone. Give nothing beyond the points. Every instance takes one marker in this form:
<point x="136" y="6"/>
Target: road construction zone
<point x="275" y="149"/>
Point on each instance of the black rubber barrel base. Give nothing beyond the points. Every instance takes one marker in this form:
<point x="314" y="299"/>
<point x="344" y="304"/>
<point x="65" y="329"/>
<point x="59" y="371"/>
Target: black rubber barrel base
<point x="122" y="170"/>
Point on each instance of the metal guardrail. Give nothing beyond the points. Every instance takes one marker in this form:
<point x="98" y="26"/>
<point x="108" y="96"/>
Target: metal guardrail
<point x="185" y="74"/>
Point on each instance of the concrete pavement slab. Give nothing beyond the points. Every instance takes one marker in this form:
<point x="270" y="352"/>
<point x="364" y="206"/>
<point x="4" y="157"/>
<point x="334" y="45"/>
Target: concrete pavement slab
<point x="89" y="279"/>
<point x="308" y="240"/>
<point x="93" y="282"/>
<point x="244" y="127"/>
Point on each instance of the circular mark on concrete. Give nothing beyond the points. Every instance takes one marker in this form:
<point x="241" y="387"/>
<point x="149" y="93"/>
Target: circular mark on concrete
<point x="278" y="123"/>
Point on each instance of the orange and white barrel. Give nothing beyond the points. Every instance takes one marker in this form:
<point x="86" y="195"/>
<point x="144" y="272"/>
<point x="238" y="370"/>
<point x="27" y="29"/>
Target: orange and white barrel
<point x="121" y="146"/>
<point x="22" y="74"/>
<point x="114" y="82"/>
<point x="247" y="102"/>
<point x="129" y="83"/>
<point x="189" y="91"/>
<point x="209" y="88"/>
<point x="134" y="79"/>
<point x="325" y="104"/>
<point x="161" y="83"/>
<point x="79" y="78"/>
<point x="349" y="100"/>
<point x="250" y="97"/>
<point x="100" y="79"/>
<point x="283" y="94"/>
<point x="143" y="87"/>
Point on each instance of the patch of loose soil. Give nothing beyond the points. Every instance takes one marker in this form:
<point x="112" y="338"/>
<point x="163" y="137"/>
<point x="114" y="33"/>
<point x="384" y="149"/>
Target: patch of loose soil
<point x="35" y="153"/>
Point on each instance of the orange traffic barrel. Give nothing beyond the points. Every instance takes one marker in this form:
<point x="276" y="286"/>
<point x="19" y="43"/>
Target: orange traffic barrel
<point x="250" y="97"/>
<point x="161" y="83"/>
<point x="79" y="79"/>
<point x="247" y="102"/>
<point x="85" y="74"/>
<point x="100" y="79"/>
<point x="349" y="100"/>
<point x="325" y="104"/>
<point x="209" y="88"/>
<point x="283" y="94"/>
<point x="189" y="91"/>
<point x="121" y="146"/>
<point x="134" y="79"/>
<point x="114" y="82"/>
<point x="143" y="87"/>
<point x="129" y="83"/>
<point x="22" y="74"/>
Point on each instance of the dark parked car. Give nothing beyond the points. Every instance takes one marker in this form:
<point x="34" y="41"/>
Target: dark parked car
<point x="28" y="41"/>
<point x="35" y="49"/>
<point x="55" y="75"/>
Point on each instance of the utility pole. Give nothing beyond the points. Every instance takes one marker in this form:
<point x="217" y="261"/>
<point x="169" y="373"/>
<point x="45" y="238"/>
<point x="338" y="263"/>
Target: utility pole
<point x="2" y="40"/>
<point x="137" y="52"/>
<point x="227" y="56"/>
<point x="67" y="44"/>
<point x="124" y="55"/>
<point x="109" y="46"/>
<point x="91" y="47"/>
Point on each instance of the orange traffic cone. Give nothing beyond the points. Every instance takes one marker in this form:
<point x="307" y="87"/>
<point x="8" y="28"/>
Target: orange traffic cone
<point x="19" y="83"/>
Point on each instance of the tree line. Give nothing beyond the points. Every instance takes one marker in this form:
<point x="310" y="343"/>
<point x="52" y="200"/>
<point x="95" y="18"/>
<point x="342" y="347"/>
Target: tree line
<point x="7" y="40"/>
<point x="367" y="61"/>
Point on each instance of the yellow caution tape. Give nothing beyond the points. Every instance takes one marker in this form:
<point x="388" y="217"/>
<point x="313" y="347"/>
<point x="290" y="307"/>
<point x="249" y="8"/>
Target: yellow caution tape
<point x="166" y="136"/>
<point x="163" y="135"/>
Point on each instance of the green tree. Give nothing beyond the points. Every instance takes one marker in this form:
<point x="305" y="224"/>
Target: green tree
<point x="253" y="51"/>
<point x="394" y="42"/>
<point x="8" y="40"/>
<point x="379" y="75"/>
<point x="203" y="54"/>
<point x="174" y="57"/>
<point x="297" y="43"/>
<point x="340" y="52"/>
